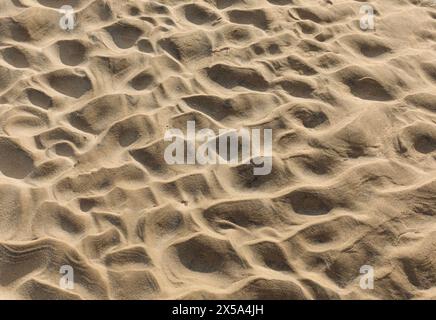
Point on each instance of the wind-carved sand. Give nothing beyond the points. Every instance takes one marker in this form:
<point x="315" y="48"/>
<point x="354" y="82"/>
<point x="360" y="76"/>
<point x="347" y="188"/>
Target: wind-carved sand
<point x="84" y="183"/>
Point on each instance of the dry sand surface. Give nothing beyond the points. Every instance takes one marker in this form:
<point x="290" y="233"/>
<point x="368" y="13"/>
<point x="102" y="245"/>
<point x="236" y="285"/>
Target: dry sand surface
<point x="84" y="182"/>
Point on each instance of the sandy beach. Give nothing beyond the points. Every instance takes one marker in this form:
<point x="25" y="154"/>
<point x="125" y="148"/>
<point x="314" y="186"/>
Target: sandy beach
<point x="98" y="96"/>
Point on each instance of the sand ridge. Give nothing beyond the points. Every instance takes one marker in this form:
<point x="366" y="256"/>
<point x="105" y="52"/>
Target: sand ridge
<point x="84" y="183"/>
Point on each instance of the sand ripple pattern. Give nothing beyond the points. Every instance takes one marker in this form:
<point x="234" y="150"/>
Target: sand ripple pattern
<point x="83" y="181"/>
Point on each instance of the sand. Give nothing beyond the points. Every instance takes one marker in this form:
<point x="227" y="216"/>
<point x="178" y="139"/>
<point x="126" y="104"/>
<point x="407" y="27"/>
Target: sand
<point x="84" y="184"/>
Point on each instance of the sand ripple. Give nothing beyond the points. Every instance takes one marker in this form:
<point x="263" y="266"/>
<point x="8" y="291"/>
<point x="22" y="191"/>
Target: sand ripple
<point x="83" y="181"/>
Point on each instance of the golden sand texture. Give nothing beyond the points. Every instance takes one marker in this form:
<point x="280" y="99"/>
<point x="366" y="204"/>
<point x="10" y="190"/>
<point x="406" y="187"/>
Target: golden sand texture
<point x="84" y="183"/>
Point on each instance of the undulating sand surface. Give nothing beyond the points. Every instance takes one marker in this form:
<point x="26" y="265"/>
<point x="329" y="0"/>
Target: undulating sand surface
<point x="84" y="183"/>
